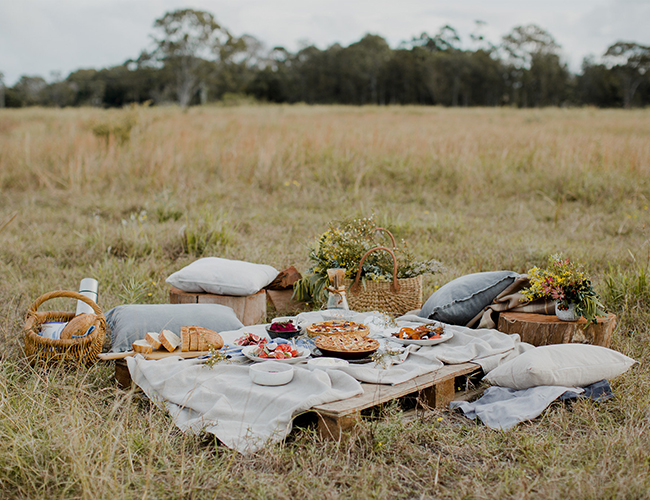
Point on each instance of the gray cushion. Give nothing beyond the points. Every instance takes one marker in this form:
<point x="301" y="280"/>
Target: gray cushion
<point x="460" y="300"/>
<point x="129" y="323"/>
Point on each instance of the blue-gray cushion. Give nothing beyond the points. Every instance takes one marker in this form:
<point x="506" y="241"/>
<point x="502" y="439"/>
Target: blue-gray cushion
<point x="129" y="323"/>
<point x="460" y="300"/>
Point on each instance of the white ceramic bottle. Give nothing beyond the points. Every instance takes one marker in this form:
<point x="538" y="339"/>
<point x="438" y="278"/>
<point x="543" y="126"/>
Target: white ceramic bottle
<point x="88" y="287"/>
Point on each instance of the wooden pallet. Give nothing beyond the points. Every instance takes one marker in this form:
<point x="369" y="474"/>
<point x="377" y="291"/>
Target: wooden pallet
<point x="436" y="389"/>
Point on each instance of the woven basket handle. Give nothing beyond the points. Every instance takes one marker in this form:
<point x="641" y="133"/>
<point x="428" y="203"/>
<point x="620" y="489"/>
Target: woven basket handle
<point x="63" y="293"/>
<point x="394" y="286"/>
<point x="392" y="238"/>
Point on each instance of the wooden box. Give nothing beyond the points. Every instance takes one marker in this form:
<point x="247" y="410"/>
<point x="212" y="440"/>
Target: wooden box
<point x="546" y="329"/>
<point x="250" y="309"/>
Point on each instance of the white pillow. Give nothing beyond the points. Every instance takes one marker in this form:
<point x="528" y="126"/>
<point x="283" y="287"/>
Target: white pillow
<point x="223" y="277"/>
<point x="569" y="365"/>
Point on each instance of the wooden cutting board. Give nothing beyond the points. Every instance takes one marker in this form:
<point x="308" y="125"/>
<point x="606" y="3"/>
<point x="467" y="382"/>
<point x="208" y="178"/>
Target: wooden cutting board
<point x="107" y="356"/>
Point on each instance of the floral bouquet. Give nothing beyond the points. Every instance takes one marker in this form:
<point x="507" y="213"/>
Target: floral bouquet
<point x="566" y="283"/>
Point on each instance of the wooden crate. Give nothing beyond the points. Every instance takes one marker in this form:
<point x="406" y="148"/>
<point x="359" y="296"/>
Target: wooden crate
<point x="250" y="309"/>
<point x="545" y="329"/>
<point x="436" y="389"/>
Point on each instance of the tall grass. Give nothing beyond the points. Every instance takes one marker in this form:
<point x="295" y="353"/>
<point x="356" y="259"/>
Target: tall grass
<point x="478" y="189"/>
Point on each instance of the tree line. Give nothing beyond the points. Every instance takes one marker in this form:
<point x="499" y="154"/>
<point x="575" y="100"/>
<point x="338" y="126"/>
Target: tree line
<point x="195" y="60"/>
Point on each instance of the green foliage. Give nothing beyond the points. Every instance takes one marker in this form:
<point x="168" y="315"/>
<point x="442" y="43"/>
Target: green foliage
<point x="133" y="291"/>
<point x="119" y="129"/>
<point x="627" y="289"/>
<point x="237" y="99"/>
<point x="204" y="233"/>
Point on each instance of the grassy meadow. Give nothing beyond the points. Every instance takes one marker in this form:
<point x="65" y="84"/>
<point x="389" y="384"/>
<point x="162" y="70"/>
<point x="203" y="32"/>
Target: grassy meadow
<point x="129" y="196"/>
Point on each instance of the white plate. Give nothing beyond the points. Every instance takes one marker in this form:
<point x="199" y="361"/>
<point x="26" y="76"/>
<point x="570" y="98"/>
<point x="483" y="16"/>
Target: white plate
<point x="443" y="338"/>
<point x="249" y="352"/>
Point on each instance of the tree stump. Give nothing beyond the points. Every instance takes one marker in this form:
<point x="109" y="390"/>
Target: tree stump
<point x="545" y="329"/>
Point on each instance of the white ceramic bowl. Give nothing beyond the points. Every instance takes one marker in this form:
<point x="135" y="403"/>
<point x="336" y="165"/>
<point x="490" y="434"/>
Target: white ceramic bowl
<point x="326" y="363"/>
<point x="271" y="373"/>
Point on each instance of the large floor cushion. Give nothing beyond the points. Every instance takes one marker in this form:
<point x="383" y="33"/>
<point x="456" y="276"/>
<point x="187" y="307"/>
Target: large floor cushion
<point x="460" y="300"/>
<point x="568" y="365"/>
<point x="129" y="323"/>
<point x="223" y="277"/>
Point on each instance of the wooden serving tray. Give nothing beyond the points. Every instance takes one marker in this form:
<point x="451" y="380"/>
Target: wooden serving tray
<point x="107" y="356"/>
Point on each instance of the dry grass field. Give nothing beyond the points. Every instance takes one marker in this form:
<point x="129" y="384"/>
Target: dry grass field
<point x="129" y="196"/>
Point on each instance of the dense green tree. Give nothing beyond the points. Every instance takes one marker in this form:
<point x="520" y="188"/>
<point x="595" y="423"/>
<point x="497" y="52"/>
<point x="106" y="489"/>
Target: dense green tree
<point x="2" y="90"/>
<point x="597" y="85"/>
<point x="535" y="74"/>
<point x="190" y="43"/>
<point x="30" y="90"/>
<point x="362" y="65"/>
<point x="631" y="63"/>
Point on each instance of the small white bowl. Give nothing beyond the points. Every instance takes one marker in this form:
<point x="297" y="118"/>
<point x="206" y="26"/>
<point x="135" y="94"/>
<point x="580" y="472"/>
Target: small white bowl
<point x="271" y="373"/>
<point x="326" y="363"/>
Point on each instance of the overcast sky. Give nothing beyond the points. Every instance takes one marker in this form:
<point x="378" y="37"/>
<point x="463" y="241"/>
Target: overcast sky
<point x="38" y="37"/>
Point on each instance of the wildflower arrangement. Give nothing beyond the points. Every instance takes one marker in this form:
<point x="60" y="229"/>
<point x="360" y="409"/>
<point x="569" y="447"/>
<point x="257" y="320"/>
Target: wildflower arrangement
<point x="342" y="246"/>
<point x="565" y="282"/>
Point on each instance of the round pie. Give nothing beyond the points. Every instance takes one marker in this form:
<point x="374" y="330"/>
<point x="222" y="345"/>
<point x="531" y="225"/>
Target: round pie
<point x="351" y="344"/>
<point x="337" y="327"/>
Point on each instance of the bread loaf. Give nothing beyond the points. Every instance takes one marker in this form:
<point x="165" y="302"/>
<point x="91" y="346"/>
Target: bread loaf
<point x="208" y="338"/>
<point x="169" y="340"/>
<point x="142" y="347"/>
<point x="153" y="339"/>
<point x="78" y="325"/>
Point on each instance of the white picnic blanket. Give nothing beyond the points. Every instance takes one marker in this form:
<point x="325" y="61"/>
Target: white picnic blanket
<point x="244" y="416"/>
<point x="223" y="401"/>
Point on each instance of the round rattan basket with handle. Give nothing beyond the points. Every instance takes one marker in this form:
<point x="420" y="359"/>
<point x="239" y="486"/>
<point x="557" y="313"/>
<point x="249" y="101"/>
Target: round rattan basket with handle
<point x="396" y="297"/>
<point x="83" y="350"/>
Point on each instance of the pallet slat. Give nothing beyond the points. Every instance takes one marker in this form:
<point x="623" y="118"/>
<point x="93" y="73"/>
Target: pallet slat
<point x="437" y="389"/>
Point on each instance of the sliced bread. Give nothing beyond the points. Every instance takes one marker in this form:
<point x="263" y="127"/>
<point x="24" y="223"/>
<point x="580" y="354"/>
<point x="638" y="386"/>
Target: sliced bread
<point x="154" y="339"/>
<point x="185" y="338"/>
<point x="169" y="340"/>
<point x="194" y="339"/>
<point x="142" y="347"/>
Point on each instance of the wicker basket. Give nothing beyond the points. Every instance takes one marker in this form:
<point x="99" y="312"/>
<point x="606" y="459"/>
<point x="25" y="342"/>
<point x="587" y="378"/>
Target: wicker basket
<point x="396" y="297"/>
<point x="82" y="350"/>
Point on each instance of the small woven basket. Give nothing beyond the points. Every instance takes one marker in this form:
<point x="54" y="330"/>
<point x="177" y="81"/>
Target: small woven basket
<point x="82" y="350"/>
<point x="396" y="297"/>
